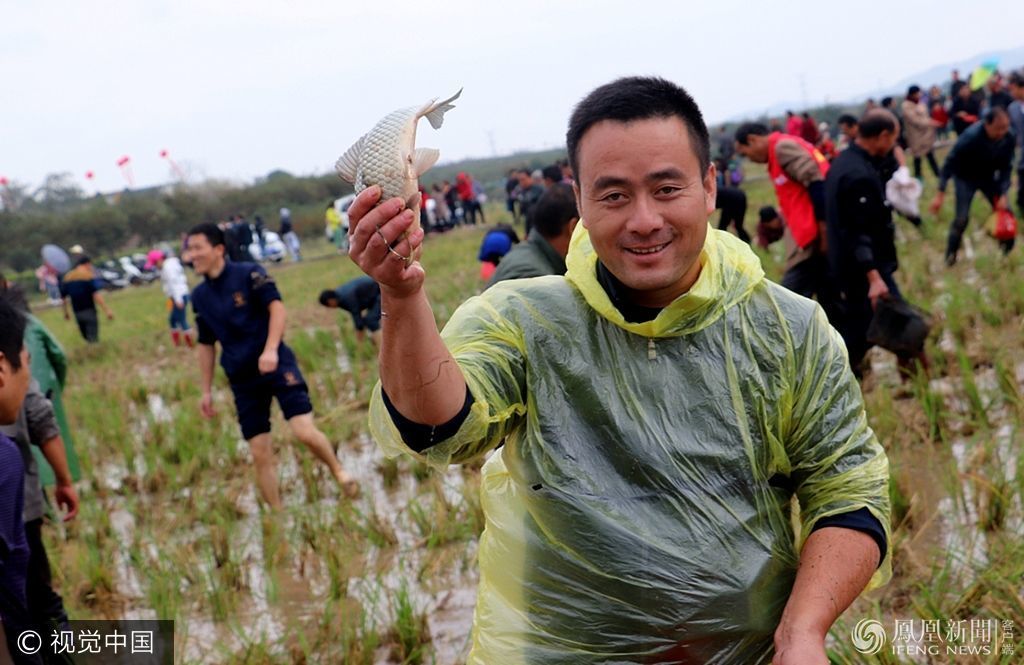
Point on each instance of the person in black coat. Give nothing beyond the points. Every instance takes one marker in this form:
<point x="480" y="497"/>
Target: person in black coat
<point x="861" y="248"/>
<point x="981" y="160"/>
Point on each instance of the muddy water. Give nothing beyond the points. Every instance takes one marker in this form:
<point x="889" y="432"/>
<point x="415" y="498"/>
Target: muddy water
<point x="281" y="596"/>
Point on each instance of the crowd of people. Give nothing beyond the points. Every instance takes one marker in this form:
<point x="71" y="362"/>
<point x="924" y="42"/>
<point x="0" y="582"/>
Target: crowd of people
<point x="653" y="413"/>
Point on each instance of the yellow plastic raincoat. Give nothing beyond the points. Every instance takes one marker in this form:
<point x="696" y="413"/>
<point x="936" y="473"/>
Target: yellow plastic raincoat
<point x="640" y="510"/>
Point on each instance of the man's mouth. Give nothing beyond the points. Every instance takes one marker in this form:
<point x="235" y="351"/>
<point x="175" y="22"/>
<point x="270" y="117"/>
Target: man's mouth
<point x="654" y="249"/>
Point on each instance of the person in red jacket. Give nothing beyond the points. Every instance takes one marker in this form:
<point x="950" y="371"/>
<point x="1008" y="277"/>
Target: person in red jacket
<point x="797" y="170"/>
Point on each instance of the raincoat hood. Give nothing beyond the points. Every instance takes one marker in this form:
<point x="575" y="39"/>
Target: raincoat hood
<point x="729" y="272"/>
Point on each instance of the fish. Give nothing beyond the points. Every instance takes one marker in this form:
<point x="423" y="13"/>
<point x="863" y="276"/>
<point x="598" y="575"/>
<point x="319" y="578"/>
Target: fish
<point x="387" y="155"/>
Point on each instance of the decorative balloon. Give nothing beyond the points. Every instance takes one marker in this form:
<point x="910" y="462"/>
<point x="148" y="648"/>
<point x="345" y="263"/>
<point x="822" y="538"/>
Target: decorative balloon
<point x="174" y="166"/>
<point x="89" y="175"/>
<point x="124" y="163"/>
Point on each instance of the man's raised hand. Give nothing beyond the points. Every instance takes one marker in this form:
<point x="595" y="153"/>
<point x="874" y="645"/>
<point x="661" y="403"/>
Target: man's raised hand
<point x="378" y="243"/>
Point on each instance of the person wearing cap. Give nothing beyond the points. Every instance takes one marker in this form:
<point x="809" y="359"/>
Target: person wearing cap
<point x="175" y="286"/>
<point x="81" y="289"/>
<point x="919" y="130"/>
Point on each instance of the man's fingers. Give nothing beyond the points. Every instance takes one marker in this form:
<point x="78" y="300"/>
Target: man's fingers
<point x="363" y="203"/>
<point x="379" y="217"/>
<point x="388" y="236"/>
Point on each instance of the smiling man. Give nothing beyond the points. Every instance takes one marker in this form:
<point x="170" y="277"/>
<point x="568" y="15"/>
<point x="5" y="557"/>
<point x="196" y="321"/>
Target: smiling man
<point x="660" y="407"/>
<point x="238" y="305"/>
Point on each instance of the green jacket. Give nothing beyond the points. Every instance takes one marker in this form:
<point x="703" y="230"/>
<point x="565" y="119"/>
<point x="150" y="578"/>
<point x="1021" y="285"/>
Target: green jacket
<point x="640" y="508"/>
<point x="533" y="258"/>
<point x="49" y="368"/>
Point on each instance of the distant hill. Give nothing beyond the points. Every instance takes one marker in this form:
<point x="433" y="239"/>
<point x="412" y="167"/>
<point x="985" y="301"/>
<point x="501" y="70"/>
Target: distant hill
<point x="937" y="75"/>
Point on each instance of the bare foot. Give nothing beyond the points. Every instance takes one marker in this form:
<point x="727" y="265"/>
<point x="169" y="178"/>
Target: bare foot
<point x="349" y="485"/>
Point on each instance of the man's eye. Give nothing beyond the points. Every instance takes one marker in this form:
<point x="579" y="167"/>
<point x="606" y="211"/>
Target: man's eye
<point x="614" y="197"/>
<point x="668" y="190"/>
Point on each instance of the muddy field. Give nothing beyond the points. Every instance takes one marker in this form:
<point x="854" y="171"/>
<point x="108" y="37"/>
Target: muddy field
<point x="170" y="526"/>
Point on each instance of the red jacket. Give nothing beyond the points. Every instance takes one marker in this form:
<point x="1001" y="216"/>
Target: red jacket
<point x="794" y="200"/>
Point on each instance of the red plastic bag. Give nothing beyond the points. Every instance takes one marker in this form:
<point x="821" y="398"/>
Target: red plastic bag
<point x="1003" y="225"/>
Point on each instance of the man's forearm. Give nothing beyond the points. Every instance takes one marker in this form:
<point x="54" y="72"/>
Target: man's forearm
<point x="98" y="299"/>
<point x="417" y="371"/>
<point x="53" y="451"/>
<point x="207" y="356"/>
<point x="835" y="566"/>
<point x="275" y="327"/>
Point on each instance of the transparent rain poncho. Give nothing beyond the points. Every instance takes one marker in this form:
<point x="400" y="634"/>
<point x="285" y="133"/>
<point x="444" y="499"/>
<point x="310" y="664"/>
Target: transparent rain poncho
<point x="641" y="509"/>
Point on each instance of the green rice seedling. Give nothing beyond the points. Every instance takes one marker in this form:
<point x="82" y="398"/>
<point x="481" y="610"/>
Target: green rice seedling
<point x="932" y="405"/>
<point x="979" y="409"/>
<point x="410" y="634"/>
<point x="389" y="469"/>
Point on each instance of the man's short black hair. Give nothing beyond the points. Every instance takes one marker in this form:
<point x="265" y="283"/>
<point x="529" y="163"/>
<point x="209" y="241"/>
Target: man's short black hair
<point x="638" y="98"/>
<point x="913" y="90"/>
<point x="767" y="213"/>
<point x="994" y="112"/>
<point x="553" y="173"/>
<point x="82" y="260"/>
<point x="874" y="122"/>
<point x="327" y="295"/>
<point x="212" y="232"/>
<point x="886" y="102"/>
<point x="747" y="129"/>
<point x="12" y="330"/>
<point x="554" y="210"/>
<point x="846" y="119"/>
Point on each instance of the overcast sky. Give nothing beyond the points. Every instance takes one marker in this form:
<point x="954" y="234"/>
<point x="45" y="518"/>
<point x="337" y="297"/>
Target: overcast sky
<point x="236" y="89"/>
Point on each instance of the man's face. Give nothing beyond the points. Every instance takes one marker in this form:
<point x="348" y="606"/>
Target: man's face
<point x="205" y="257"/>
<point x="998" y="128"/>
<point x="13" y="386"/>
<point x="645" y="203"/>
<point x="849" y="131"/>
<point x="525" y="179"/>
<point x="964" y="91"/>
<point x="756" y="149"/>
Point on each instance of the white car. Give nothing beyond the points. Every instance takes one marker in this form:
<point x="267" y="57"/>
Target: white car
<point x="273" y="248"/>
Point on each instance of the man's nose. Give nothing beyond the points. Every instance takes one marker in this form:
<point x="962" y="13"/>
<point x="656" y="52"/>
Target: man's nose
<point x="646" y="217"/>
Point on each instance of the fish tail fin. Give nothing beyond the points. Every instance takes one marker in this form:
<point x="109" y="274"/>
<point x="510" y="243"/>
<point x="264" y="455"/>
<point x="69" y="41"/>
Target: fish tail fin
<point x="436" y="110"/>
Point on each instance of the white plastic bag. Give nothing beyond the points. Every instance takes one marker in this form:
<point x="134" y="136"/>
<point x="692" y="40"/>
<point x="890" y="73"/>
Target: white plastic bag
<point x="903" y="192"/>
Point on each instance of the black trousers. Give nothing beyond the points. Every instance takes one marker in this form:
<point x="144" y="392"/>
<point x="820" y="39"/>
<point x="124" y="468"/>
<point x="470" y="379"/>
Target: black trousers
<point x="88" y="324"/>
<point x="810" y="278"/>
<point x="45" y="606"/>
<point x="733" y="203"/>
<point x="931" y="162"/>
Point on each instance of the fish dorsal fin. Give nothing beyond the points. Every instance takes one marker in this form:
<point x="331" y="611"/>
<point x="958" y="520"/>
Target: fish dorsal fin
<point x="436" y="110"/>
<point x="423" y="159"/>
<point x="348" y="164"/>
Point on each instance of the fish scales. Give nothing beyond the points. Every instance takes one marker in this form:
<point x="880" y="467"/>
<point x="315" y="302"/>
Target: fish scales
<point x="387" y="155"/>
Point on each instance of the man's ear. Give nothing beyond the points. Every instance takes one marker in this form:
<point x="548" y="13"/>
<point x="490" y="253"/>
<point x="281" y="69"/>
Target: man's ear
<point x="710" y="189"/>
